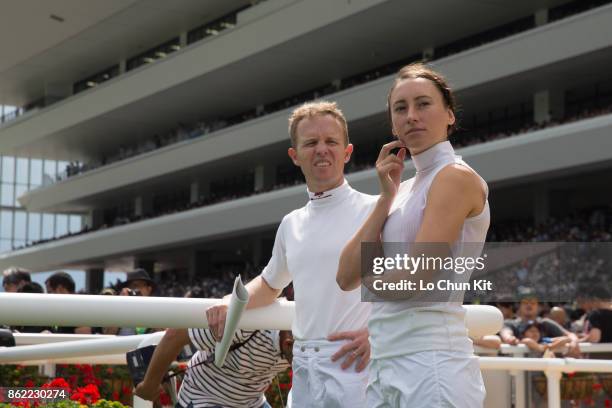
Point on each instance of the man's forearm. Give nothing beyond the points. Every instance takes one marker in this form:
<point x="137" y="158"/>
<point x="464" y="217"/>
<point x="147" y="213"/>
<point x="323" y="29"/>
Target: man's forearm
<point x="165" y="353"/>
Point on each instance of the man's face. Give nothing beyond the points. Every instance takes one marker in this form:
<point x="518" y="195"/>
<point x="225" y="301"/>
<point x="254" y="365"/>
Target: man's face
<point x="528" y="309"/>
<point x="142" y="286"/>
<point x="321" y="152"/>
<point x="10" y="287"/>
<point x="532" y="333"/>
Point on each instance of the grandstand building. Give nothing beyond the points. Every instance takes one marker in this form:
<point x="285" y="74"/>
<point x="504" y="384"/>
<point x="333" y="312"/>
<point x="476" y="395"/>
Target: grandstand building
<point x="171" y="117"/>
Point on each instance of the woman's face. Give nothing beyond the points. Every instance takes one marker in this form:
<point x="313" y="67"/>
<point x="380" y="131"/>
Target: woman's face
<point x="419" y="115"/>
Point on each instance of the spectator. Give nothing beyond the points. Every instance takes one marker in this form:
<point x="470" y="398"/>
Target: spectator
<point x="138" y="283"/>
<point x="531" y="335"/>
<point x="31" y="287"/>
<point x="254" y="359"/>
<point x="528" y="311"/>
<point x="61" y="283"/>
<point x="14" y="278"/>
<point x="599" y="319"/>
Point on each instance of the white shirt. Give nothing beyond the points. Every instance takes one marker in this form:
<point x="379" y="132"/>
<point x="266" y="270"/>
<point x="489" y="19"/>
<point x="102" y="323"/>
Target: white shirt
<point x="307" y="250"/>
<point x="404" y="327"/>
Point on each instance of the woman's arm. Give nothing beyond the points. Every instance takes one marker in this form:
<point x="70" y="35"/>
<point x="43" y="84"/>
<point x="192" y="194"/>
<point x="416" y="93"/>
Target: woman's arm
<point x="389" y="169"/>
<point x="455" y="195"/>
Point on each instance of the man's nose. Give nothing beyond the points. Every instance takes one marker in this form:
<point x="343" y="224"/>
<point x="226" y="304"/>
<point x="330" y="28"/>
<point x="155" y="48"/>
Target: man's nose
<point x="321" y="148"/>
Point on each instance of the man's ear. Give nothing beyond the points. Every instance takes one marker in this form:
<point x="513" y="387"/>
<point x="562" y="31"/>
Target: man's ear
<point x="293" y="155"/>
<point x="348" y="150"/>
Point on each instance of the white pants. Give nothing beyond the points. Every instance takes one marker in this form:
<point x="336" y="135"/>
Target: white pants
<point x="428" y="379"/>
<point x="320" y="382"/>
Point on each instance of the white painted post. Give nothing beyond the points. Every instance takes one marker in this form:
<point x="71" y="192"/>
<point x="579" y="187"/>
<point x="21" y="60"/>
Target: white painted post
<point x="553" y="381"/>
<point x="519" y="388"/>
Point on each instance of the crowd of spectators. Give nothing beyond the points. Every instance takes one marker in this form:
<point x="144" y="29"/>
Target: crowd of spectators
<point x="362" y="162"/>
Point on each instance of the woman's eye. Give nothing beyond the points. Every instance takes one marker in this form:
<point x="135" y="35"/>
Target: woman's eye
<point x="423" y="103"/>
<point x="399" y="108"/>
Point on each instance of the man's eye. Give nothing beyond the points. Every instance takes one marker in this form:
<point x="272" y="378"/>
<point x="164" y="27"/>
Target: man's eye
<point x="423" y="103"/>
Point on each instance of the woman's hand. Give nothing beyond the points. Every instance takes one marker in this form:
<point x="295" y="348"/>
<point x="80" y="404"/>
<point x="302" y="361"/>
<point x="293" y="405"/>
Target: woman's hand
<point x="389" y="168"/>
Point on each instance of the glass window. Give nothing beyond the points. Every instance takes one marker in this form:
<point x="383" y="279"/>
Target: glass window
<point x="7" y="198"/>
<point x="61" y="225"/>
<point x="33" y="227"/>
<point x="8" y="169"/>
<point x="75" y="223"/>
<point x="5" y="245"/>
<point x="20" y="189"/>
<point x="47" y="226"/>
<point x="20" y="225"/>
<point x="22" y="171"/>
<point x="35" y="172"/>
<point x="50" y="171"/>
<point x="6" y="224"/>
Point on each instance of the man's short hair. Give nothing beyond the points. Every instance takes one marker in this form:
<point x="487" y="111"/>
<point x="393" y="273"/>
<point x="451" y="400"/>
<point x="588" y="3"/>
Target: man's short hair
<point x="311" y="109"/>
<point x="61" y="278"/>
<point x="15" y="275"/>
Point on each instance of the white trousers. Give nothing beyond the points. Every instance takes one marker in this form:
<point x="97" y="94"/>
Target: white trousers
<point x="428" y="379"/>
<point x="320" y="382"/>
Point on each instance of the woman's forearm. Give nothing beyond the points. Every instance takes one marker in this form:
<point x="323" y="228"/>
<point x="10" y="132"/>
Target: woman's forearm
<point x="349" y="267"/>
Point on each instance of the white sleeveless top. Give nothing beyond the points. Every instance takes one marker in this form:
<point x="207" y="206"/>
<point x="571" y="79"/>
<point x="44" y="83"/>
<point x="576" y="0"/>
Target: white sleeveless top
<point x="403" y="327"/>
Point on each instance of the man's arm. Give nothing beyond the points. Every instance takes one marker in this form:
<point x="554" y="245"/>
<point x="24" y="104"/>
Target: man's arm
<point x="165" y="353"/>
<point x="260" y="294"/>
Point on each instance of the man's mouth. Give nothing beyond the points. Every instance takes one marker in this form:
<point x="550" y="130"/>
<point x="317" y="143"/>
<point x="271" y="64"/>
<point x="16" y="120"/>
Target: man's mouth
<point x="323" y="163"/>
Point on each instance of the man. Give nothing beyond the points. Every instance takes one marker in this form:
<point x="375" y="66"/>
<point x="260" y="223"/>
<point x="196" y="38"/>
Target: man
<point x="329" y="323"/>
<point x="254" y="360"/>
<point x="14" y="278"/>
<point x="599" y="316"/>
<point x="62" y="283"/>
<point x="528" y="311"/>
<point x="138" y="283"/>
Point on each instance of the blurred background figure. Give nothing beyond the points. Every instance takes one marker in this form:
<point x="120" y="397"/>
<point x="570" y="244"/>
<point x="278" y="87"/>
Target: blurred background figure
<point x="61" y="283"/>
<point x="14" y="278"/>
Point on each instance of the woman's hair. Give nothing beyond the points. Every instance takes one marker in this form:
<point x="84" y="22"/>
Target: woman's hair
<point x="420" y="70"/>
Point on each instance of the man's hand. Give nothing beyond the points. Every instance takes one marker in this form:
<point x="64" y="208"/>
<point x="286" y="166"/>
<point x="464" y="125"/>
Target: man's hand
<point x="357" y="349"/>
<point x="216" y="316"/>
<point x="147" y="391"/>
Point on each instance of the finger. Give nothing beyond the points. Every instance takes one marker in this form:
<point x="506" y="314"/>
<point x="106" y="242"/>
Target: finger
<point x="384" y="170"/>
<point x="346" y="335"/>
<point x="349" y="360"/>
<point x="343" y="351"/>
<point x="363" y="361"/>
<point x="221" y="326"/>
<point x="390" y="159"/>
<point x="386" y="149"/>
<point x="401" y="154"/>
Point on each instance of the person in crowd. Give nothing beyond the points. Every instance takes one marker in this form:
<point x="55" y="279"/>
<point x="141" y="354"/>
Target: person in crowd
<point x="31" y="287"/>
<point x="506" y="307"/>
<point x="138" y="283"/>
<point x="445" y="203"/>
<point x="559" y="316"/>
<point x="528" y="310"/>
<point x="61" y="283"/>
<point x="329" y="324"/>
<point x="255" y="358"/>
<point x="530" y="334"/>
<point x="599" y="318"/>
<point x="14" y="278"/>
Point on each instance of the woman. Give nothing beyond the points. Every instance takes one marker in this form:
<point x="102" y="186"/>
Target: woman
<point x="421" y="354"/>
